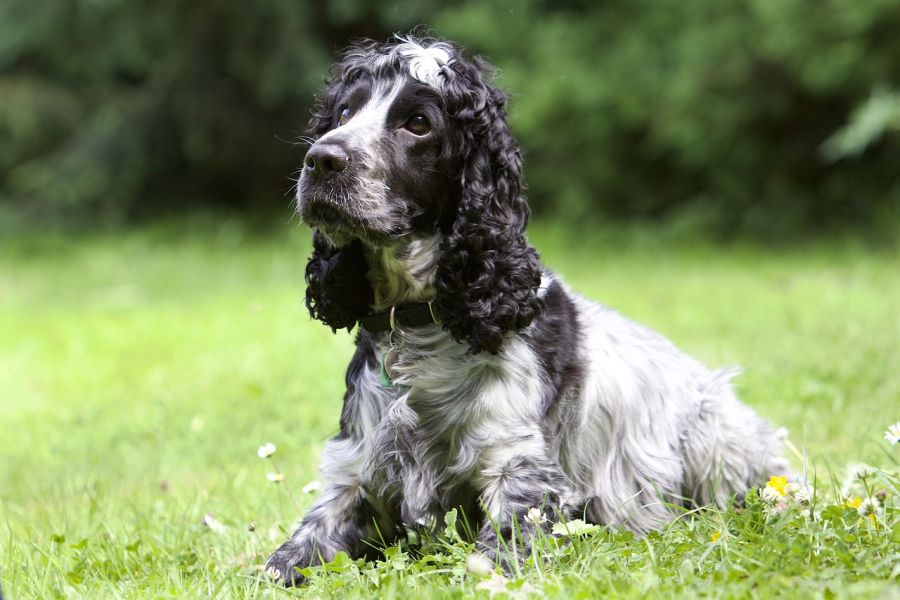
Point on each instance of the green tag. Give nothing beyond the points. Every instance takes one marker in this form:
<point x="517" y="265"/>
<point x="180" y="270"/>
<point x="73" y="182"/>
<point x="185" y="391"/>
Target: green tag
<point x="385" y="378"/>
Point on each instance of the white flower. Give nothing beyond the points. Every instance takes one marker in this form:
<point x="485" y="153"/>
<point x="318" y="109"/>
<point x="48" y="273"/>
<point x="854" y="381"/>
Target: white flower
<point x="197" y="424"/>
<point x="575" y="527"/>
<point x="798" y="492"/>
<point x="275" y="477"/>
<point x="497" y="585"/>
<point x="862" y="471"/>
<point x="892" y="435"/>
<point x="479" y="565"/>
<point x="266" y="450"/>
<point x="535" y="516"/>
<point x="311" y="487"/>
<point x="213" y="523"/>
<point x="870" y="507"/>
<point x="494" y="585"/>
<point x="856" y="472"/>
<point x="771" y="495"/>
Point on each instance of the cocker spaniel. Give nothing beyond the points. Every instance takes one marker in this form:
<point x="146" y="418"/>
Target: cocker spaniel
<point x="479" y="379"/>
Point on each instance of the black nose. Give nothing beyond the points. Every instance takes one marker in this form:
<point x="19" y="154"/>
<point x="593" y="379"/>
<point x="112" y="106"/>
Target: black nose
<point x="326" y="160"/>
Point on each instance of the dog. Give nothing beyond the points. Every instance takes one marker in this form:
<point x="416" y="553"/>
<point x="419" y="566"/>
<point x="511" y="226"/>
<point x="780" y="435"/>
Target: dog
<point x="479" y="380"/>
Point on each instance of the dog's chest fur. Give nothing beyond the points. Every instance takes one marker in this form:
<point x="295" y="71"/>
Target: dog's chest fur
<point x="423" y="438"/>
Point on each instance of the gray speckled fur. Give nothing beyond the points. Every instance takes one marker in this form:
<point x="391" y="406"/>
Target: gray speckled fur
<point x="639" y="428"/>
<point x="581" y="413"/>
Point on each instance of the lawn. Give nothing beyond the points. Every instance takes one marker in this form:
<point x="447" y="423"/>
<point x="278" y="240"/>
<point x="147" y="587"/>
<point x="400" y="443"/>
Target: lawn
<point x="140" y="371"/>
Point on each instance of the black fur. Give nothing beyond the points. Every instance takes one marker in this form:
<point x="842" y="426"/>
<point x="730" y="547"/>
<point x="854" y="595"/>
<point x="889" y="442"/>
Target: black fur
<point x="348" y="532"/>
<point x="555" y="339"/>
<point x="470" y="187"/>
<point x="532" y="404"/>
<point x="364" y="356"/>
<point x="337" y="290"/>
<point x="488" y="275"/>
<point x="507" y="541"/>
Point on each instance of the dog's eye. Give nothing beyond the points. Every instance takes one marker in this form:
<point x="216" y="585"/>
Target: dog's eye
<point x="345" y="116"/>
<point x="418" y="125"/>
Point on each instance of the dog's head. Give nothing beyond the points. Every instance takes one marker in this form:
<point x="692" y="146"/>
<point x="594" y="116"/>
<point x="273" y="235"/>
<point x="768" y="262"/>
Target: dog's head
<point x="411" y="140"/>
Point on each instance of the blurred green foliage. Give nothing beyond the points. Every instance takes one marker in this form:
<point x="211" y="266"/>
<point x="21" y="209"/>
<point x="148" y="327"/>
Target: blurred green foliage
<point x="759" y="115"/>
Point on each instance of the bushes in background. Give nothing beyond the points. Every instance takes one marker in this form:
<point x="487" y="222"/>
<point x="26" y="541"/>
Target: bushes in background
<point x="762" y="115"/>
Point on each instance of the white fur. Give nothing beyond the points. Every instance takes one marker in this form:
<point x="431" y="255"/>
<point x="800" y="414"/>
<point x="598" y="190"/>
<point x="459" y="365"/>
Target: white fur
<point x="426" y="63"/>
<point x="644" y="428"/>
<point x="583" y="413"/>
<point x="647" y="424"/>
<point x="404" y="274"/>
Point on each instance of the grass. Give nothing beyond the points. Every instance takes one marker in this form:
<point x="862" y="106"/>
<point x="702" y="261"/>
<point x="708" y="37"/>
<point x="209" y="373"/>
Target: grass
<point x="140" y="371"/>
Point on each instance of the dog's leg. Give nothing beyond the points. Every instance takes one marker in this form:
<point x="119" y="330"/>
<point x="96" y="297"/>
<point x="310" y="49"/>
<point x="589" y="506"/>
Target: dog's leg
<point x="339" y="521"/>
<point x="522" y="492"/>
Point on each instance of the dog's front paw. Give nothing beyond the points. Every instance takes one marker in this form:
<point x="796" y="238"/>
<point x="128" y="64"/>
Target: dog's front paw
<point x="285" y="563"/>
<point x="505" y="550"/>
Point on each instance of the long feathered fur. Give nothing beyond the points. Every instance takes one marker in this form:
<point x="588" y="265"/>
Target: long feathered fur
<point x="338" y="292"/>
<point x="526" y="397"/>
<point x="488" y="275"/>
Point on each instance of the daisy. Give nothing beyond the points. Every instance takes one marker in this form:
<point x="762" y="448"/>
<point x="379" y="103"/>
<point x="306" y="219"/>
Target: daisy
<point x="892" y="435"/>
<point x="479" y="565"/>
<point x="535" y="516"/>
<point x="856" y="472"/>
<point x="266" y="450"/>
<point x="799" y="493"/>
<point x="213" y="523"/>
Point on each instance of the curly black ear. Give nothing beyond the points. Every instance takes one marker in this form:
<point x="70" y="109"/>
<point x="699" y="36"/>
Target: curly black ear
<point x="338" y="292"/>
<point x="488" y="275"/>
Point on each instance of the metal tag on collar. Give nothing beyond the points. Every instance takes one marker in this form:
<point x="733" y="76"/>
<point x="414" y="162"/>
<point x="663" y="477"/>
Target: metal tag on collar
<point x="387" y="359"/>
<point x="386" y="380"/>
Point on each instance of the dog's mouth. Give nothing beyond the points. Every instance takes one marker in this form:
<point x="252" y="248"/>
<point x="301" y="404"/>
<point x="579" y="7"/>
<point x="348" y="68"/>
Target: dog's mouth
<point x="325" y="215"/>
<point x="338" y="225"/>
<point x="325" y="209"/>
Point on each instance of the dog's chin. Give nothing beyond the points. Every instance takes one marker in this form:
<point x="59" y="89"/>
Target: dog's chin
<point x="337" y="225"/>
<point x="338" y="231"/>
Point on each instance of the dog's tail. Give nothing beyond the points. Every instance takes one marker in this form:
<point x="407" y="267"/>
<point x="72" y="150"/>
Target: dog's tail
<point x="729" y="448"/>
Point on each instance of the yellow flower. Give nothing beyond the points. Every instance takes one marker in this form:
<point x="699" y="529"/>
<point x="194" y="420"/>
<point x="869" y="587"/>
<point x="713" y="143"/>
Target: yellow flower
<point x="777" y="483"/>
<point x="852" y="503"/>
<point x="715" y="536"/>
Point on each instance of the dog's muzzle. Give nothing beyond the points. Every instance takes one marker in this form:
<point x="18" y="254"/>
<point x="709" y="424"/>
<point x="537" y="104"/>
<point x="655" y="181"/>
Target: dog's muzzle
<point x="325" y="160"/>
<point x="322" y="179"/>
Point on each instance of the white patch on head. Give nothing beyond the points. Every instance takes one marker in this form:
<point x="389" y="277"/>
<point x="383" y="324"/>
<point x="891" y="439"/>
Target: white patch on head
<point x="426" y="63"/>
<point x="362" y="134"/>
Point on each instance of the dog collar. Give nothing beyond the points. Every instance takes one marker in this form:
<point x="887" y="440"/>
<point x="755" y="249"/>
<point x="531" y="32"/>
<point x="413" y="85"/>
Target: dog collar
<point x="407" y="315"/>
